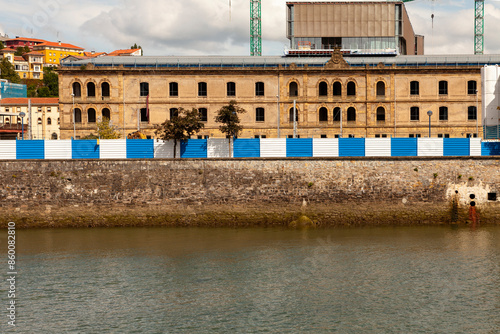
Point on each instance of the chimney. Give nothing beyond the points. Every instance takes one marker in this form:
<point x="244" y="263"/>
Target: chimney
<point x="92" y="52"/>
<point x="59" y="42"/>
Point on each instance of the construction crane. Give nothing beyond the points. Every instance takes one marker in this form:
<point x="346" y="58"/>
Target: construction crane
<point x="478" y="26"/>
<point x="255" y="28"/>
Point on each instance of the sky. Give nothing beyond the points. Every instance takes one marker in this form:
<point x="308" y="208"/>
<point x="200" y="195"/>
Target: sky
<point x="217" y="27"/>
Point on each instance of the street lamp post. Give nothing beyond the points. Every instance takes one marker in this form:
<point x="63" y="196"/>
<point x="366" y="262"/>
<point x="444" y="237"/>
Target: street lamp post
<point x="477" y="112"/>
<point x="22" y="114"/>
<point x="429" y="113"/>
<point x="74" y="117"/>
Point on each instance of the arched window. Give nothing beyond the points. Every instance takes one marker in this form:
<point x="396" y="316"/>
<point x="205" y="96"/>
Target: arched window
<point x="58" y="120"/>
<point x="351" y="114"/>
<point x="471" y="113"/>
<point x="231" y="89"/>
<point x="380" y="114"/>
<point x="7" y="120"/>
<point x="39" y="120"/>
<point x="144" y="89"/>
<point x="323" y="114"/>
<point x="105" y="89"/>
<point x="77" y="115"/>
<point x="77" y="89"/>
<point x="443" y="113"/>
<point x="351" y="88"/>
<point x="296" y="115"/>
<point x="91" y="115"/>
<point x="380" y="88"/>
<point x="203" y="114"/>
<point x="337" y="88"/>
<point x="106" y="113"/>
<point x="323" y="89"/>
<point x="293" y="89"/>
<point x="414" y="114"/>
<point x="336" y="114"/>
<point x="90" y="89"/>
<point x="54" y="136"/>
<point x="202" y="89"/>
<point x="259" y="115"/>
<point x="174" y="112"/>
<point x="49" y="121"/>
<point x="259" y="89"/>
<point x="173" y="89"/>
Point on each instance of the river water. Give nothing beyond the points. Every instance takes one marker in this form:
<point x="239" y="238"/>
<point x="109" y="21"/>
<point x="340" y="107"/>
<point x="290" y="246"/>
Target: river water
<point x="256" y="280"/>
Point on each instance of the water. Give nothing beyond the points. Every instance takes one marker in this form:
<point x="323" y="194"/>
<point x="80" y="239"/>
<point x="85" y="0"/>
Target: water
<point x="181" y="280"/>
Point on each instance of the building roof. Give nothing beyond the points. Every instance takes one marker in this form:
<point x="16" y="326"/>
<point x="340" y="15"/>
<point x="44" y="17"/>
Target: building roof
<point x="275" y="61"/>
<point x="33" y="53"/>
<point x="7" y="50"/>
<point x="94" y="54"/>
<point x="126" y="52"/>
<point x="23" y="101"/>
<point x="19" y="58"/>
<point x="60" y="45"/>
<point x="26" y="39"/>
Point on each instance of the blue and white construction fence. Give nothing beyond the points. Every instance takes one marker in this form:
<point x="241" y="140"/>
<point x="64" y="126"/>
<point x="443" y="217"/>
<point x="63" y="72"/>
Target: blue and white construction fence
<point x="247" y="148"/>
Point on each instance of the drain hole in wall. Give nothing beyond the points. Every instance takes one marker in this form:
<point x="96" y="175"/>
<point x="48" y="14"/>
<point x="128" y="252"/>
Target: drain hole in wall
<point x="492" y="196"/>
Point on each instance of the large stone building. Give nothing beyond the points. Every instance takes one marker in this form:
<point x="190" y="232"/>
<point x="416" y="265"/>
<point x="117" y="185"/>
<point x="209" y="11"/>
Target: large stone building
<point x="334" y="96"/>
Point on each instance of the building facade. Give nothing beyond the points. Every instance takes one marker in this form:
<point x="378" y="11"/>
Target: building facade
<point x="41" y="119"/>
<point x="360" y="27"/>
<point x="53" y="52"/>
<point x="336" y="96"/>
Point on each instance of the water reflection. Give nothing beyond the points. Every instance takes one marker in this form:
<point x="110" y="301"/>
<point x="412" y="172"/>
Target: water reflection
<point x="390" y="280"/>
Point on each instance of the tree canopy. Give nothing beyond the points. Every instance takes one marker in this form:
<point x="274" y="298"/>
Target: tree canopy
<point x="8" y="71"/>
<point x="105" y="130"/>
<point x="51" y="81"/>
<point x="2" y="45"/>
<point x="22" y="50"/>
<point x="230" y="121"/>
<point x="180" y="127"/>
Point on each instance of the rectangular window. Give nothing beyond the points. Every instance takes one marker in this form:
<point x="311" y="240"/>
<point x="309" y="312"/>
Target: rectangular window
<point x="259" y="115"/>
<point x="173" y="89"/>
<point x="414" y="88"/>
<point x="324" y="136"/>
<point x="471" y="87"/>
<point x="174" y="112"/>
<point x="443" y="113"/>
<point x="231" y="89"/>
<point x="471" y="113"/>
<point x="443" y="87"/>
<point x="48" y="109"/>
<point x="202" y="89"/>
<point x="144" y="115"/>
<point x="144" y="89"/>
<point x="203" y="114"/>
<point x="414" y="114"/>
<point x="259" y="89"/>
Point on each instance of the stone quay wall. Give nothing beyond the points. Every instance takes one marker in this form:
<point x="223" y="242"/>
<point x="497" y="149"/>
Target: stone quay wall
<point x="247" y="192"/>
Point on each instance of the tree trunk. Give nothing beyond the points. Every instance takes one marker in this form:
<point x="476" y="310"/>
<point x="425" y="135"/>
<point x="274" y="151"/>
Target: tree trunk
<point x="175" y="147"/>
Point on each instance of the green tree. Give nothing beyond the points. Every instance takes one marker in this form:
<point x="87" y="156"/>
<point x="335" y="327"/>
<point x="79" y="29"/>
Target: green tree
<point x="1" y="45"/>
<point x="43" y="92"/>
<point x="180" y="127"/>
<point x="135" y="46"/>
<point x="51" y="81"/>
<point x="22" y="50"/>
<point x="8" y="71"/>
<point x="230" y="121"/>
<point x="104" y="131"/>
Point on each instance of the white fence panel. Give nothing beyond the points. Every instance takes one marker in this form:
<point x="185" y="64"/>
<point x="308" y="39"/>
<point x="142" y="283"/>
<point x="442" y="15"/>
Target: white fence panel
<point x="325" y="147"/>
<point x="218" y="148"/>
<point x="165" y="149"/>
<point x="113" y="149"/>
<point x="430" y="147"/>
<point x="475" y="147"/>
<point x="7" y="149"/>
<point x="378" y="147"/>
<point x="273" y="147"/>
<point x="58" y="149"/>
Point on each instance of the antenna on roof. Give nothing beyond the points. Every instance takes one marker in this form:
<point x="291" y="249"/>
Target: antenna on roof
<point x="229" y="10"/>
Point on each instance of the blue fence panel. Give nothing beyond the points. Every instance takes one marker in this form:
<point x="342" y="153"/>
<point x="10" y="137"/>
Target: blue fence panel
<point x="85" y="149"/>
<point x="351" y="147"/>
<point x="403" y="147"/>
<point x="140" y="149"/>
<point x="456" y="147"/>
<point x="30" y="149"/>
<point x="194" y="148"/>
<point x="490" y="148"/>
<point x="299" y="147"/>
<point x="246" y="148"/>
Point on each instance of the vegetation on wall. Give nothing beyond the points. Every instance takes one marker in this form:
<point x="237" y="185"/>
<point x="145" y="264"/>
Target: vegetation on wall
<point x="48" y="87"/>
